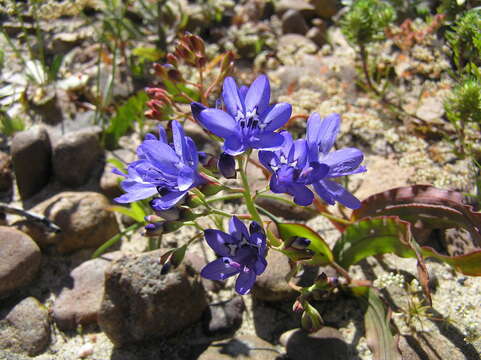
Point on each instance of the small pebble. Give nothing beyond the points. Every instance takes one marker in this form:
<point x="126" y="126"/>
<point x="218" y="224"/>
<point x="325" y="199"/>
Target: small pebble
<point x="86" y="350"/>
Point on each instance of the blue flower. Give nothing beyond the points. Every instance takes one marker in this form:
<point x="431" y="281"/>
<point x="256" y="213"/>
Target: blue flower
<point x="291" y="169"/>
<point x="321" y="135"/>
<point x="249" y="121"/>
<point x="240" y="253"/>
<point x="169" y="170"/>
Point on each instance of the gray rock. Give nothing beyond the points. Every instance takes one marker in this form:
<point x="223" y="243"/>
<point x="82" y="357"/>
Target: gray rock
<point x="31" y="153"/>
<point x="7" y="355"/>
<point x="300" y="5"/>
<point x="81" y="303"/>
<point x="225" y="318"/>
<point x="20" y="259"/>
<point x="324" y="344"/>
<point x="293" y="22"/>
<point x="82" y="216"/>
<point x="143" y="302"/>
<point x="6" y="178"/>
<point x="272" y="285"/>
<point x="75" y="156"/>
<point x="243" y="347"/>
<point x="26" y="328"/>
<point x="458" y="241"/>
<point x="317" y="36"/>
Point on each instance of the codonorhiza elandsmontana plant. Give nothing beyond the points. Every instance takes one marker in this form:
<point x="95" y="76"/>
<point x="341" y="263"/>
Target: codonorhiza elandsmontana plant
<point x="172" y="175"/>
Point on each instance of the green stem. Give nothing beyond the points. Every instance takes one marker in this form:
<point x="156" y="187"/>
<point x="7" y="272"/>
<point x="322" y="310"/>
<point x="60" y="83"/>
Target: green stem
<point x="224" y="198"/>
<point x="247" y="192"/>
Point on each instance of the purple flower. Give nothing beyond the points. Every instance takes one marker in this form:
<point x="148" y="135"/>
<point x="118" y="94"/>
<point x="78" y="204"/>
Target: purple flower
<point x="249" y="121"/>
<point x="240" y="253"/>
<point x="169" y="170"/>
<point x="291" y="169"/>
<point x="321" y="135"/>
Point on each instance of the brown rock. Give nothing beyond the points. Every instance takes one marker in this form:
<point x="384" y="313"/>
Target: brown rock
<point x="75" y="156"/>
<point x="6" y="178"/>
<point x="83" y="218"/>
<point x="272" y="285"/>
<point x="31" y="152"/>
<point x="293" y="22"/>
<point x="26" y="328"/>
<point x="81" y="303"/>
<point x="20" y="259"/>
<point x="143" y="302"/>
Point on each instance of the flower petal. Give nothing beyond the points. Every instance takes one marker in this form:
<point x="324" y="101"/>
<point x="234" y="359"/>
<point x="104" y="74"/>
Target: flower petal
<point x="135" y="191"/>
<point x="277" y="117"/>
<point x="233" y="145"/>
<point x="218" y="122"/>
<point x="160" y="155"/>
<point x="300" y="153"/>
<point x="343" y="162"/>
<point x="245" y="281"/>
<point x="328" y="131"/>
<point x="341" y="194"/>
<point x="258" y="95"/>
<point x="243" y="92"/>
<point x="219" y="269"/>
<point x="323" y="192"/>
<point x="237" y="229"/>
<point x="217" y="241"/>
<point x="276" y="186"/>
<point x="231" y="97"/>
<point x="180" y="145"/>
<point x="185" y="179"/>
<point x="168" y="200"/>
<point x="268" y="159"/>
<point x="196" y="109"/>
<point x="302" y="195"/>
<point x="267" y="141"/>
<point x="260" y="266"/>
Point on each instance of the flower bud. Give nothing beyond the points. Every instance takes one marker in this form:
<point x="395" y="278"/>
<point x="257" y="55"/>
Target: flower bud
<point x="174" y="75"/>
<point x="172" y="214"/>
<point x="210" y="189"/>
<point x="197" y="44"/>
<point x="187" y="215"/>
<point x="300" y="243"/>
<point x="172" y="226"/>
<point x="297" y="306"/>
<point x="193" y="201"/>
<point x="154" y="229"/>
<point x="311" y="320"/>
<point x="226" y="166"/>
<point x="172" y="59"/>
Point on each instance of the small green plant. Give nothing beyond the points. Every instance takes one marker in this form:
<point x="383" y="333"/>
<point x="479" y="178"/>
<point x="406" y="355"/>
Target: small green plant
<point x="10" y="125"/>
<point x="465" y="39"/>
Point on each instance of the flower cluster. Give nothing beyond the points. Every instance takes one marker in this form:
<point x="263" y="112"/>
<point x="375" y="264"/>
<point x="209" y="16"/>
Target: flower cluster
<point x="245" y="120"/>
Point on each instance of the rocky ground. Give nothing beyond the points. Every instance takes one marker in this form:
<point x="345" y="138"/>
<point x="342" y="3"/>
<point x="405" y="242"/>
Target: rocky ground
<point x="58" y="303"/>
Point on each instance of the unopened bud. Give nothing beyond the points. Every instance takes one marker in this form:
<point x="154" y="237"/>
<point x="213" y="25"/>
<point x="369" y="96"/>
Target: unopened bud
<point x="187" y="215"/>
<point x="193" y="201"/>
<point x="210" y="189"/>
<point x="172" y="59"/>
<point x="311" y="320"/>
<point x="172" y="226"/>
<point x="154" y="229"/>
<point x="174" y="75"/>
<point x="226" y="166"/>
<point x="172" y="214"/>
<point x="197" y="44"/>
<point x="297" y="306"/>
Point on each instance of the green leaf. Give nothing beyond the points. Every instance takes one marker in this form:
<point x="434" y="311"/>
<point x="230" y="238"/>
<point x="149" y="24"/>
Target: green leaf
<point x="320" y="254"/>
<point x="135" y="211"/>
<point x="130" y="112"/>
<point x="378" y="334"/>
<point x="426" y="206"/>
<point x="389" y="234"/>
<point x="117" y="163"/>
<point x="373" y="236"/>
<point x="149" y="54"/>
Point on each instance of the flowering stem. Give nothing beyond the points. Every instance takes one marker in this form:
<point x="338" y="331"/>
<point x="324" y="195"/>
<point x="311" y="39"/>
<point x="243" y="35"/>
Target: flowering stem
<point x="341" y="271"/>
<point x="247" y="192"/>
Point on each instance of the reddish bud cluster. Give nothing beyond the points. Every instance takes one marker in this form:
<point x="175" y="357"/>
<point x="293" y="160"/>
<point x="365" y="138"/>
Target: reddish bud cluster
<point x="191" y="49"/>
<point x="159" y="100"/>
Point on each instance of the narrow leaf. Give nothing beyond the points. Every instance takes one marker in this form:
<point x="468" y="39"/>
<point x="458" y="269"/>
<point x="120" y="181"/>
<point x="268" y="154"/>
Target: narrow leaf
<point x="378" y="334"/>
